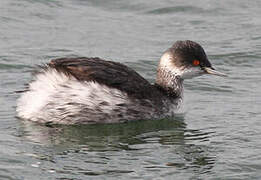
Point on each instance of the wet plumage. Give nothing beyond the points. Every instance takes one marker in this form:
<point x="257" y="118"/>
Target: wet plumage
<point x="91" y="90"/>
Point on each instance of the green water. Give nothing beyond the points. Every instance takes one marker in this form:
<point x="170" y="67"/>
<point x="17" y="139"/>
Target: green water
<point x="215" y="136"/>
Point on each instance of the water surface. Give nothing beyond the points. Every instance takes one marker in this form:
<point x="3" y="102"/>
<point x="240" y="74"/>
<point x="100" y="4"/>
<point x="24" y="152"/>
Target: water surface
<point x="217" y="134"/>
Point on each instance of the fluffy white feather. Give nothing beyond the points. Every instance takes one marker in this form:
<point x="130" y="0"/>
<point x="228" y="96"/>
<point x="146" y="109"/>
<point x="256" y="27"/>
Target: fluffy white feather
<point x="59" y="98"/>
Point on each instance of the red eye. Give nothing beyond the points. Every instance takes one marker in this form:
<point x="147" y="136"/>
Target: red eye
<point x="196" y="62"/>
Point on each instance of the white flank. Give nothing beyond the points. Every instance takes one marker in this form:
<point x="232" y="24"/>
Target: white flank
<point x="52" y="90"/>
<point x="44" y="85"/>
<point x="59" y="98"/>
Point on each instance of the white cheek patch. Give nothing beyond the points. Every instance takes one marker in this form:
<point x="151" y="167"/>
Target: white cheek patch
<point x="191" y="72"/>
<point x="166" y="62"/>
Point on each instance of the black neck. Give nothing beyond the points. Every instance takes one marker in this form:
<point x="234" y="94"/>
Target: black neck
<point x="169" y="83"/>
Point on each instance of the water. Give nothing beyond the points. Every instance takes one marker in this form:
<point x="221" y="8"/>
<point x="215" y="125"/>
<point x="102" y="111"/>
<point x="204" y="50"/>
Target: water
<point x="216" y="137"/>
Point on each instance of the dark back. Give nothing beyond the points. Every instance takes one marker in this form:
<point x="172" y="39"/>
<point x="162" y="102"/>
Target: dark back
<point x="112" y="74"/>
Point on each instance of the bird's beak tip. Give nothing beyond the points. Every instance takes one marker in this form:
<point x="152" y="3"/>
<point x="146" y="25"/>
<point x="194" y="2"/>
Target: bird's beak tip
<point x="212" y="71"/>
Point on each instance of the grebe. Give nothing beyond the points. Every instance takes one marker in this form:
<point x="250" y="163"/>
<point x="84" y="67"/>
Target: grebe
<point x="91" y="90"/>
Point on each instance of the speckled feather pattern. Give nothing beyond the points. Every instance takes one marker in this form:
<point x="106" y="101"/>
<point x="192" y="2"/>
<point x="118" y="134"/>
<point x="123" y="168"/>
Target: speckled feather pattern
<point x="60" y="98"/>
<point x="91" y="90"/>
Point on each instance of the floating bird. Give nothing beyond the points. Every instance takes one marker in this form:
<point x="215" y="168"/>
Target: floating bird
<point x="85" y="90"/>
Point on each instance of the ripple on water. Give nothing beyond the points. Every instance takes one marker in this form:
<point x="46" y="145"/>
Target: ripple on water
<point x="116" y="149"/>
<point x="34" y="31"/>
<point x="54" y="3"/>
<point x="12" y="66"/>
<point x="176" y="9"/>
<point x="239" y="59"/>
